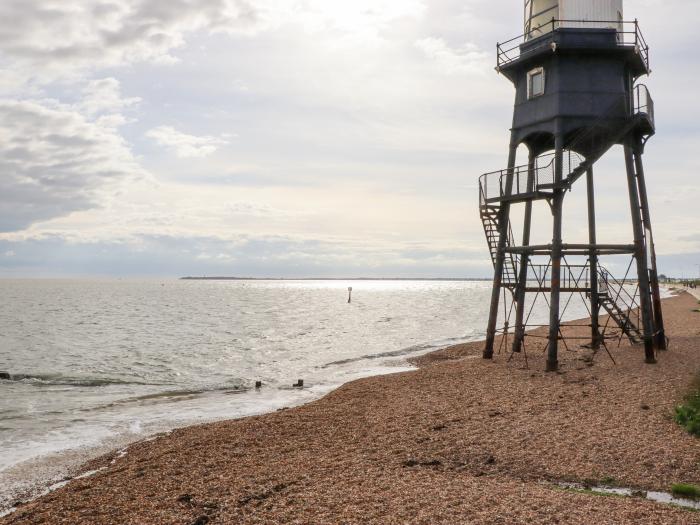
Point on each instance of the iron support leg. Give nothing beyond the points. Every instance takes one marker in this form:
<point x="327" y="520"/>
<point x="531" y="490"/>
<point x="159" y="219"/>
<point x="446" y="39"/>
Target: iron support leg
<point x="503" y="219"/>
<point x="640" y="255"/>
<point x="660" y="334"/>
<point x="593" y="261"/>
<point x="524" y="262"/>
<point x="557" y="205"/>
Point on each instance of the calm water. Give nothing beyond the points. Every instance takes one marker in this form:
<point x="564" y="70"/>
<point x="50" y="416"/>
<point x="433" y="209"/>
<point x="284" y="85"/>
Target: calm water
<point x="95" y="360"/>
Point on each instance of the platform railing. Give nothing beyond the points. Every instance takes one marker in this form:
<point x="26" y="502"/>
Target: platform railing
<point x="493" y="186"/>
<point x="628" y="35"/>
<point x="573" y="277"/>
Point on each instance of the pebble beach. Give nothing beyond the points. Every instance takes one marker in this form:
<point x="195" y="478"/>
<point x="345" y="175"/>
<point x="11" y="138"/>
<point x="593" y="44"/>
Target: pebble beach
<point x="459" y="440"/>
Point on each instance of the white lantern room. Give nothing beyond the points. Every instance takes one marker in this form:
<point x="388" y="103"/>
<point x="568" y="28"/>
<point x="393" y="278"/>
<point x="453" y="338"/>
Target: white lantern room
<point x="590" y="14"/>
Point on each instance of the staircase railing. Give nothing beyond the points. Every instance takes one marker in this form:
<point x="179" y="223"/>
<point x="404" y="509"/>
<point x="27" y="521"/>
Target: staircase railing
<point x="617" y="290"/>
<point x="493" y="185"/>
<point x="642" y="103"/>
<point x="490" y="219"/>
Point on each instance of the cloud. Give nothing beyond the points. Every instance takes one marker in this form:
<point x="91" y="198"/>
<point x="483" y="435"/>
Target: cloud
<point x="184" y="145"/>
<point x="55" y="39"/>
<point x="467" y="59"/>
<point x="104" y="96"/>
<point x="54" y="161"/>
<point x="360" y="18"/>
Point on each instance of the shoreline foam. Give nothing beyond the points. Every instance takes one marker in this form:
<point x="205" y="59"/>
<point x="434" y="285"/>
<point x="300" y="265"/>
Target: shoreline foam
<point x="55" y="466"/>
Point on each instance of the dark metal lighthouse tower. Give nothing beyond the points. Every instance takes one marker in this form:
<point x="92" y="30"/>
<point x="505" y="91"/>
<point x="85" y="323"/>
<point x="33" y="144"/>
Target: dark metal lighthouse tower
<point x="575" y="71"/>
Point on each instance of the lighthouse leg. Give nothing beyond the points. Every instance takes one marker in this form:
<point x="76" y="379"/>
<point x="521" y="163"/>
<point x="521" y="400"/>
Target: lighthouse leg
<point x="503" y="218"/>
<point x="593" y="262"/>
<point x="524" y="261"/>
<point x="640" y="255"/>
<point x="557" y="209"/>
<point x="660" y="335"/>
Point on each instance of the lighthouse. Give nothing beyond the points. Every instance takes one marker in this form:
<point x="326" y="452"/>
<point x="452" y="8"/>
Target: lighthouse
<point x="576" y="69"/>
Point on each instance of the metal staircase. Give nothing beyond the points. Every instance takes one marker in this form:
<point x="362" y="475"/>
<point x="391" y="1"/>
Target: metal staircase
<point x="490" y="220"/>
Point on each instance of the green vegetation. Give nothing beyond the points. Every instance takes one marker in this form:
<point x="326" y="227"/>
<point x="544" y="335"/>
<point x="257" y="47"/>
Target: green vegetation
<point x="686" y="490"/>
<point x="688" y="414"/>
<point x="608" y="481"/>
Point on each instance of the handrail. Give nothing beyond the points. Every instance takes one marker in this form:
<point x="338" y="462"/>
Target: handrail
<point x="642" y="102"/>
<point x="628" y="35"/>
<point x="618" y="288"/>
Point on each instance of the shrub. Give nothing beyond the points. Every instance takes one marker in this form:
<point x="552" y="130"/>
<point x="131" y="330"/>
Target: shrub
<point x="688" y="413"/>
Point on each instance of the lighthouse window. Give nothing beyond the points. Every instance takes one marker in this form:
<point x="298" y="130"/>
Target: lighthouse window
<point x="538" y="17"/>
<point x="535" y="82"/>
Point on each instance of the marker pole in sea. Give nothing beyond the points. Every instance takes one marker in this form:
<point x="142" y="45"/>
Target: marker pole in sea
<point x="349" y="294"/>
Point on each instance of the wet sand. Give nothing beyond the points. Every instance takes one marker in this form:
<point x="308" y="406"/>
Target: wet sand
<point x="461" y="440"/>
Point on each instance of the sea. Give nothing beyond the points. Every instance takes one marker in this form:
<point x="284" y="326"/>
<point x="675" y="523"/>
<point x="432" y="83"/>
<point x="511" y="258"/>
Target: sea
<point x="90" y="365"/>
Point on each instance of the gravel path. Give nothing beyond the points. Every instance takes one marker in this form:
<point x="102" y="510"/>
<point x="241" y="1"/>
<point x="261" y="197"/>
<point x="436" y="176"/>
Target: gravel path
<point x="695" y="292"/>
<point x="461" y="440"/>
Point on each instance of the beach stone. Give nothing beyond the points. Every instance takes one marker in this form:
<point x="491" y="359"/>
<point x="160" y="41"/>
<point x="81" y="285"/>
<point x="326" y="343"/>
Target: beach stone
<point x="184" y="498"/>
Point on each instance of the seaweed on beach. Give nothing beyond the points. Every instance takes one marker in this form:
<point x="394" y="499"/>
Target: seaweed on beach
<point x="685" y="490"/>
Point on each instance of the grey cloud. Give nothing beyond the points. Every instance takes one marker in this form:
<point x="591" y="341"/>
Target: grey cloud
<point x="690" y="238"/>
<point x="72" y="35"/>
<point x="54" y="162"/>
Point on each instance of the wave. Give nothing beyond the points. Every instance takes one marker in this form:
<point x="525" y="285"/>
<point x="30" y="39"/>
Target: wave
<point x="380" y="355"/>
<point x="185" y="393"/>
<point x="167" y="396"/>
<point x="61" y="380"/>
<point x="443" y="343"/>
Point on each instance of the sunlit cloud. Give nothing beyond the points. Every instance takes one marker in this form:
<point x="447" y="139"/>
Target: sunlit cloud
<point x="468" y="58"/>
<point x="184" y="145"/>
<point x="104" y="95"/>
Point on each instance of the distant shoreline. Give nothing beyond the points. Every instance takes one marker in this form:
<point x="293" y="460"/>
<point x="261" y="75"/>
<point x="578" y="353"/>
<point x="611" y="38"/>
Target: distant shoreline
<point x="451" y="279"/>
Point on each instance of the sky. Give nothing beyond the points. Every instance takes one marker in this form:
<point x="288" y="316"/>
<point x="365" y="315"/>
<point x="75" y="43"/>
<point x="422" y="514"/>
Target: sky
<point x="296" y="138"/>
